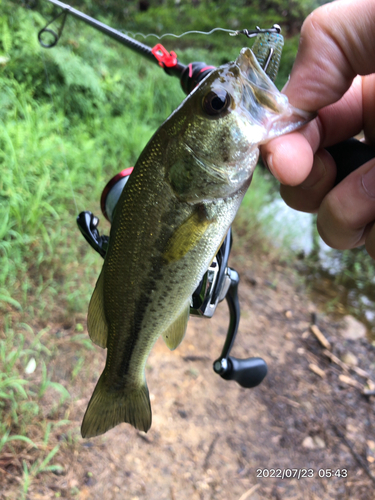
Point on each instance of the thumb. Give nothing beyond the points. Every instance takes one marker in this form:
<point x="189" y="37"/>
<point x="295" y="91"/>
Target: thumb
<point x="337" y="43"/>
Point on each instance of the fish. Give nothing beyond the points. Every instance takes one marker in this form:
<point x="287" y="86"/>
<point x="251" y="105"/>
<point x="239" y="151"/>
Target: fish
<point x="169" y="223"/>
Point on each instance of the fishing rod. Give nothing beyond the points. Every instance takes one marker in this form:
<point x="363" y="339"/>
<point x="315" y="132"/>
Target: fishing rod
<point x="190" y="75"/>
<point x="157" y="54"/>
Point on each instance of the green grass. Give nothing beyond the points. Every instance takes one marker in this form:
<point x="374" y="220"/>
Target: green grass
<point x="24" y="382"/>
<point x="70" y="118"/>
<point x="56" y="162"/>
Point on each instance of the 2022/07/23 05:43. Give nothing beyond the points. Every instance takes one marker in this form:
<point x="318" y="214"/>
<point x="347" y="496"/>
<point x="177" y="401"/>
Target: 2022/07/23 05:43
<point x="298" y="473"/>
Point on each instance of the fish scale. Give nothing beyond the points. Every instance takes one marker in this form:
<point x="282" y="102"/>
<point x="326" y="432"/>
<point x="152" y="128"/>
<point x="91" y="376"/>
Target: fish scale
<point x="171" y="218"/>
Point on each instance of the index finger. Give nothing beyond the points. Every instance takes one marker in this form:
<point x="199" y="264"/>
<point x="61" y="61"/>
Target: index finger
<point x="290" y="157"/>
<point x="337" y="43"/>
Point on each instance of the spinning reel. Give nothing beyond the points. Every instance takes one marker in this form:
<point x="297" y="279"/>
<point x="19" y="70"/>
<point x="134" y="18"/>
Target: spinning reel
<point x="218" y="283"/>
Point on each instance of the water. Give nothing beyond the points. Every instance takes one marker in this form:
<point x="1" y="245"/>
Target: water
<point x="287" y="227"/>
<point x="342" y="282"/>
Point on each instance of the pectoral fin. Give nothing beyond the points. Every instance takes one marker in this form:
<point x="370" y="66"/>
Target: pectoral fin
<point x="96" y="322"/>
<point x="186" y="236"/>
<point x="175" y="333"/>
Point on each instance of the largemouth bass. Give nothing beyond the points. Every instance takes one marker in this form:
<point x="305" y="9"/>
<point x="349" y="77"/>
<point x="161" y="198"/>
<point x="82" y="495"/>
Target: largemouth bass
<point x="171" y="218"/>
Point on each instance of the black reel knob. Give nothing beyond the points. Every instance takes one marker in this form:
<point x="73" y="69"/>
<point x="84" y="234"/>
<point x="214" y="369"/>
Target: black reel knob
<point x="248" y="372"/>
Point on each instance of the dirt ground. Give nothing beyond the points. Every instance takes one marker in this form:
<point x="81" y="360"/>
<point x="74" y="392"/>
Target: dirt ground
<point x="213" y="440"/>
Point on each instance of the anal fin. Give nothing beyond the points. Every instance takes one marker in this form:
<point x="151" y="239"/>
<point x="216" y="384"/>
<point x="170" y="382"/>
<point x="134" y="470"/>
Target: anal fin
<point x="96" y="322"/>
<point x="176" y="331"/>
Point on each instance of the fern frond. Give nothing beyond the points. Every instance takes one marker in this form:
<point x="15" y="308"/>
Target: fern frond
<point x="6" y="37"/>
<point x="75" y="71"/>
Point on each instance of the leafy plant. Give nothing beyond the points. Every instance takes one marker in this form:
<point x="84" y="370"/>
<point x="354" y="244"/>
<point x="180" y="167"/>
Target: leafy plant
<point x="38" y="467"/>
<point x="23" y="381"/>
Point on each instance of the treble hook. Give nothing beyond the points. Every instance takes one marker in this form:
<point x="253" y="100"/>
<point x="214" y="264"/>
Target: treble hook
<point x="251" y="33"/>
<point x="56" y="36"/>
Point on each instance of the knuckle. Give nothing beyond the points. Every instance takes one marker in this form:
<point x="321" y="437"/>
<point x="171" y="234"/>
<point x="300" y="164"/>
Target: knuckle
<point x="324" y="232"/>
<point x="315" y="23"/>
<point x="337" y="224"/>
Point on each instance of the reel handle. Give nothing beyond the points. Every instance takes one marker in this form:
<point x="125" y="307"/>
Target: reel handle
<point x="248" y="372"/>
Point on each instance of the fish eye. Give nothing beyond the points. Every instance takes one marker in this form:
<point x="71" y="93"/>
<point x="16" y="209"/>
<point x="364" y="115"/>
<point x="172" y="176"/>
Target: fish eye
<point x="215" y="102"/>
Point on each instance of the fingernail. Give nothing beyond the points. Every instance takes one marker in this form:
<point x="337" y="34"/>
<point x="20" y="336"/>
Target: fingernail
<point x="368" y="182"/>
<point x="268" y="162"/>
<point x="285" y="86"/>
<point x="318" y="171"/>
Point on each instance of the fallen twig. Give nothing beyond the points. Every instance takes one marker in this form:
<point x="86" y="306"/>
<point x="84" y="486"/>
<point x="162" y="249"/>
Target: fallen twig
<point x="195" y="358"/>
<point x="351" y="381"/>
<point x="249" y="492"/>
<point x="361" y="462"/>
<point x="210" y="451"/>
<point x="370" y="391"/>
<point x="360" y="372"/>
<point x="290" y="402"/>
<point x="319" y="335"/>
<point x="316" y="369"/>
<point x="336" y="360"/>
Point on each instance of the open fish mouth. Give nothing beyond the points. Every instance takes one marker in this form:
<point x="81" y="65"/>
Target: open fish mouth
<point x="267" y="106"/>
<point x="253" y="73"/>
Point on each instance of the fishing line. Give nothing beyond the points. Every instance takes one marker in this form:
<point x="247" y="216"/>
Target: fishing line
<point x="63" y="151"/>
<point x="159" y="37"/>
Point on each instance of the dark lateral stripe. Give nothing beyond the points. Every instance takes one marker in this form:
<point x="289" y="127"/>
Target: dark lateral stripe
<point x="153" y="279"/>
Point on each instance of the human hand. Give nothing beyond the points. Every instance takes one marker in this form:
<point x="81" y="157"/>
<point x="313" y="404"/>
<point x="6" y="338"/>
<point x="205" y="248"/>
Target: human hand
<point x="333" y="73"/>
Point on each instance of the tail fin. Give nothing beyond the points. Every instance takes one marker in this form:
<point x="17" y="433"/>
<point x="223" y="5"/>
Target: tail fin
<point x="108" y="409"/>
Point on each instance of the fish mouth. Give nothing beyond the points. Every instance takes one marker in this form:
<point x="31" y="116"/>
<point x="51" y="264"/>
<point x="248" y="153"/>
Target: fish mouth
<point x="246" y="59"/>
<point x="252" y="71"/>
<point x="262" y="99"/>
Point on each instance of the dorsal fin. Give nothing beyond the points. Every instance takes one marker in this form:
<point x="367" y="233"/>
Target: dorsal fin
<point x="96" y="322"/>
